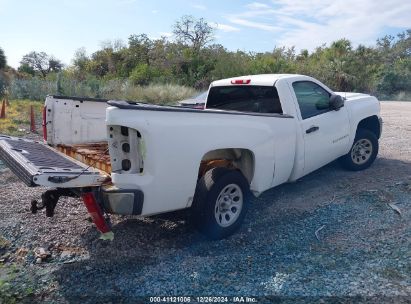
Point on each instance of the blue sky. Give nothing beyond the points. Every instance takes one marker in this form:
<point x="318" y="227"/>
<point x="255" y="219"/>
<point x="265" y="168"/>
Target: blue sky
<point x="60" y="27"/>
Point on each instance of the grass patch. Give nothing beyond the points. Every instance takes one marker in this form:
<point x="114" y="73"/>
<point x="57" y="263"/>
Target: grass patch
<point x="37" y="89"/>
<point x="4" y="243"/>
<point x="9" y="292"/>
<point x="17" y="120"/>
<point x="153" y="93"/>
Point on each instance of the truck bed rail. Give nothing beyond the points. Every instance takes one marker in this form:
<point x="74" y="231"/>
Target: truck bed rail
<point x="126" y="105"/>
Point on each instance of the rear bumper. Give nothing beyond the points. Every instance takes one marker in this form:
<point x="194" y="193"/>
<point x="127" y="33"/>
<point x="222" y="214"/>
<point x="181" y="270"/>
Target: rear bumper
<point x="122" y="201"/>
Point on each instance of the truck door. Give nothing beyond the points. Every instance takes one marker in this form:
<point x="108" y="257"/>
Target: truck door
<point x="325" y="131"/>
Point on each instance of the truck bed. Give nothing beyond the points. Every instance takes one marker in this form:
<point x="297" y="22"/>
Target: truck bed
<point x="93" y="154"/>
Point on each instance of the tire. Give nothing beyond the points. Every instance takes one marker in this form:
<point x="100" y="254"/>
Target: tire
<point x="363" y="151"/>
<point x="220" y="202"/>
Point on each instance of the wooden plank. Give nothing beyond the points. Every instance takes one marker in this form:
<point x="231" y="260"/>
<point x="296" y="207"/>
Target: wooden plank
<point x="92" y="154"/>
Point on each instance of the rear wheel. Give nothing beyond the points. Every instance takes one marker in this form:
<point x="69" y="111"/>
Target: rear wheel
<point x="220" y="202"/>
<point x="363" y="151"/>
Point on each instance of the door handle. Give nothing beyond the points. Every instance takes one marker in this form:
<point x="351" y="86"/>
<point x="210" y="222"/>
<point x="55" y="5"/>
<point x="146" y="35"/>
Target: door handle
<point x="312" y="129"/>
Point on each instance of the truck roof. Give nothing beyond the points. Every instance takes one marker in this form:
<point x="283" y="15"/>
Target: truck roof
<point x="262" y="79"/>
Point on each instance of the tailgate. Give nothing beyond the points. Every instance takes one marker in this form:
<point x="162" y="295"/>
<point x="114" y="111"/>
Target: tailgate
<point x="37" y="164"/>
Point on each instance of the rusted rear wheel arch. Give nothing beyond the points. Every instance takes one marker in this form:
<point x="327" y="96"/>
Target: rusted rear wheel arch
<point x="231" y="158"/>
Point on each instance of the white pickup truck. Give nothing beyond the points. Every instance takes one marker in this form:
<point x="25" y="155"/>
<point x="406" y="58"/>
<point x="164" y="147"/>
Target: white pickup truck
<point x="256" y="132"/>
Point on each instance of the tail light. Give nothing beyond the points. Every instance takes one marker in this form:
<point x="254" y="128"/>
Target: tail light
<point x="45" y="123"/>
<point x="240" y="81"/>
<point x="127" y="149"/>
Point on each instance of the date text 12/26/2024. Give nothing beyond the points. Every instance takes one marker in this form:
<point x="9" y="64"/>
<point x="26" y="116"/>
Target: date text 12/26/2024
<point x="207" y="299"/>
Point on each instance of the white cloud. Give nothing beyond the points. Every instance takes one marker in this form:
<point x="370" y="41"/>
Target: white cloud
<point x="321" y="21"/>
<point x="199" y="6"/>
<point x="225" y="27"/>
<point x="165" y="34"/>
<point x="257" y="5"/>
<point x="254" y="24"/>
<point x="307" y="24"/>
<point x="127" y="1"/>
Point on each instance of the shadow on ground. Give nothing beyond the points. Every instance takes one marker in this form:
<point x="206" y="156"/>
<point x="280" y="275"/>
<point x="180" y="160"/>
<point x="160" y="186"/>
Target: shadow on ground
<point x="278" y="251"/>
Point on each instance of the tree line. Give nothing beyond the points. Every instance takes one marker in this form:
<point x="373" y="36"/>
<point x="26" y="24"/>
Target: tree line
<point x="192" y="59"/>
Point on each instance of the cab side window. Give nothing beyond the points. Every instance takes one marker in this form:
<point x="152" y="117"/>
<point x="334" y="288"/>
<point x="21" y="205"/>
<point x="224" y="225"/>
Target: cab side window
<point x="312" y="99"/>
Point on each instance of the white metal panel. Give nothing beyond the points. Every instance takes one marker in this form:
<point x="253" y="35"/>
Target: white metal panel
<point x="360" y="106"/>
<point x="175" y="143"/>
<point x="71" y="121"/>
<point x="329" y="142"/>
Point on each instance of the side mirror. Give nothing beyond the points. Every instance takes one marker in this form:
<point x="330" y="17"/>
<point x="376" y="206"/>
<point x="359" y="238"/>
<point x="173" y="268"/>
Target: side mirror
<point x="336" y="102"/>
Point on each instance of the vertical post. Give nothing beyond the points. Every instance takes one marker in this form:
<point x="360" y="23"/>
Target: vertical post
<point x="32" y="120"/>
<point x="96" y="214"/>
<point x="7" y="101"/>
<point x="3" y="110"/>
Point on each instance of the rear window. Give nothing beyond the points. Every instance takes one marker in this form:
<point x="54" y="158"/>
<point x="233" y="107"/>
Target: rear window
<point x="258" y="99"/>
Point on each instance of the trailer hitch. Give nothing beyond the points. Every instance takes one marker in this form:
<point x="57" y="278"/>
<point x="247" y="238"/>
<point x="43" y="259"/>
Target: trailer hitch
<point x="49" y="200"/>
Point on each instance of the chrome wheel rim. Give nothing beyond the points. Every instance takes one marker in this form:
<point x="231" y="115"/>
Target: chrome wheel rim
<point x="361" y="151"/>
<point x="228" y="205"/>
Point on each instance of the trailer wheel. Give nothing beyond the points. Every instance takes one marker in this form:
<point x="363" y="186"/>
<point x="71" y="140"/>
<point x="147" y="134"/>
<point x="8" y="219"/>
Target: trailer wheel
<point x="363" y="151"/>
<point x="220" y="202"/>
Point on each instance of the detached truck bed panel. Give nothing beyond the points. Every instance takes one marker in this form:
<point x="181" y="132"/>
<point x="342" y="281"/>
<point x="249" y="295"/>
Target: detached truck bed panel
<point x="73" y="120"/>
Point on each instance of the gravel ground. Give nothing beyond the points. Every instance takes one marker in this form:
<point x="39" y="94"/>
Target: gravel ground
<point x="333" y="235"/>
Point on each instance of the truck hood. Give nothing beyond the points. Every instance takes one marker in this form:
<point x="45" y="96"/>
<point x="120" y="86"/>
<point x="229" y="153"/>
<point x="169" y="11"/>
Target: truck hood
<point x="351" y="95"/>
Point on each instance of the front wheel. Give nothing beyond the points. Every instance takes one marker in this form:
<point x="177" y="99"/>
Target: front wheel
<point x="363" y="151"/>
<point x="220" y="202"/>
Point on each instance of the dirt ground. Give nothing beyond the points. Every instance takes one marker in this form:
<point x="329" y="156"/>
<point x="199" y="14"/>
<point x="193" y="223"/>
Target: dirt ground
<point x="331" y="234"/>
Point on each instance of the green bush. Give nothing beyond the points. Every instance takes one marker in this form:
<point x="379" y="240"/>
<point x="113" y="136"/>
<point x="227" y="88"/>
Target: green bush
<point x="33" y="88"/>
<point x="3" y="84"/>
<point x="141" y="74"/>
<point x="37" y="89"/>
<point x="119" y="71"/>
